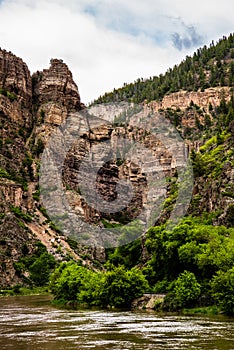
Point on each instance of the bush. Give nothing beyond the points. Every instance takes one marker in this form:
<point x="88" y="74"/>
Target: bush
<point x="121" y="287"/>
<point x="19" y="214"/>
<point x="69" y="280"/>
<point x="12" y="97"/>
<point x="222" y="290"/>
<point x="40" y="269"/>
<point x="117" y="287"/>
<point x="39" y="265"/>
<point x="186" y="290"/>
<point x="16" y="288"/>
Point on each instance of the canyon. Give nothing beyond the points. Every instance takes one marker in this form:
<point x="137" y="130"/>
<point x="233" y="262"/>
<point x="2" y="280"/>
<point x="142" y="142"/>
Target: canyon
<point x="32" y="109"/>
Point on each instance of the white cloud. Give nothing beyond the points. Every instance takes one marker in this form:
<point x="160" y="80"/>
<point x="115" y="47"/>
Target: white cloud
<point x="106" y="43"/>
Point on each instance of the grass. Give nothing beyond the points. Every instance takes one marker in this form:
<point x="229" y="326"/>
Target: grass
<point x="206" y="310"/>
<point x="20" y="290"/>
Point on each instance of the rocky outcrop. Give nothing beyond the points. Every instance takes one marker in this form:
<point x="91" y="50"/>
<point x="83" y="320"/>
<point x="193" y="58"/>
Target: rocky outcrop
<point x="15" y="242"/>
<point x="182" y="99"/>
<point x="15" y="77"/>
<point x="30" y="107"/>
<point x="148" y="301"/>
<point x="15" y="90"/>
<point x="55" y="95"/>
<point x="57" y="85"/>
<point x="11" y="193"/>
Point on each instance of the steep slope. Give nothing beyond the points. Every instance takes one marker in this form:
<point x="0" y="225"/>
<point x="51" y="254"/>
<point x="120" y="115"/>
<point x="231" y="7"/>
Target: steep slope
<point x="30" y="109"/>
<point x="197" y="97"/>
<point x="209" y="67"/>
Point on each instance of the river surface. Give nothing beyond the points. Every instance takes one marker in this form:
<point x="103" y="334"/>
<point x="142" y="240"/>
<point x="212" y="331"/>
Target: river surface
<point x="32" y="323"/>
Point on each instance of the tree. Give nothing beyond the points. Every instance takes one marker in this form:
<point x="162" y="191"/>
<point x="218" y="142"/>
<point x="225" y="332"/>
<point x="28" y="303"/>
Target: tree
<point x="41" y="268"/>
<point x="121" y="287"/>
<point x="222" y="288"/>
<point x="68" y="280"/>
<point x="187" y="290"/>
<point x="116" y="287"/>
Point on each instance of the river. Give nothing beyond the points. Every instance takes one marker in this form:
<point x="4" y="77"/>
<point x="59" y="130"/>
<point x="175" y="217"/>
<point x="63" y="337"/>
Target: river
<point x="32" y="323"/>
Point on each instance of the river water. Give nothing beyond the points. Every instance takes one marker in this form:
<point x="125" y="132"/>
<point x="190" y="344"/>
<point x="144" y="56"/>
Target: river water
<point x="32" y="323"/>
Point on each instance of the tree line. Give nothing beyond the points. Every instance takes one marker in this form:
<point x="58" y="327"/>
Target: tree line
<point x="209" y="67"/>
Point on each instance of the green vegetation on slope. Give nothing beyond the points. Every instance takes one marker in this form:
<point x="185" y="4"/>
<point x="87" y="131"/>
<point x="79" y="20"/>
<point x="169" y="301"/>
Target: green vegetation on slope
<point x="209" y="67"/>
<point x="35" y="269"/>
<point x="186" y="262"/>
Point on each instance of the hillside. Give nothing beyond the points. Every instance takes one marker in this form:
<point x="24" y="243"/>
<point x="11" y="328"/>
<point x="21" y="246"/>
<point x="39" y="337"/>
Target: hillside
<point x="209" y="67"/>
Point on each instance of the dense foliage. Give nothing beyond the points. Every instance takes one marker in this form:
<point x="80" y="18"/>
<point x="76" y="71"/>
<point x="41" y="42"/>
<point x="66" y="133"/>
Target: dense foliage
<point x="116" y="287"/>
<point x="192" y="264"/>
<point x="209" y="67"/>
<point x="223" y="290"/>
<point x="189" y="262"/>
<point x="187" y="290"/>
<point x="39" y="265"/>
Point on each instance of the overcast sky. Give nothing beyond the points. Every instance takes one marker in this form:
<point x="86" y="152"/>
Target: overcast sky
<point x="108" y="42"/>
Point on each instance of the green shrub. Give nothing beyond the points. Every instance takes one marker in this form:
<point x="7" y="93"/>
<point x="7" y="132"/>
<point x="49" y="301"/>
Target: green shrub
<point x="186" y="290"/>
<point x="4" y="173"/>
<point x="40" y="269"/>
<point x="16" y="288"/>
<point x="18" y="212"/>
<point x="120" y="287"/>
<point x="39" y="265"/>
<point x="116" y="287"/>
<point x="68" y="280"/>
<point x="12" y="97"/>
<point x="222" y="289"/>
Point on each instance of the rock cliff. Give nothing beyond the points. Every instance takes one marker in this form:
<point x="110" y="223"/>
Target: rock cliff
<point x="183" y="99"/>
<point x="56" y="84"/>
<point x="31" y="107"/>
<point x="15" y="89"/>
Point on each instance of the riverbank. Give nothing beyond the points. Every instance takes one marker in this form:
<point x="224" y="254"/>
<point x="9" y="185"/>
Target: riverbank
<point x="24" y="291"/>
<point x="148" y="302"/>
<point x="154" y="302"/>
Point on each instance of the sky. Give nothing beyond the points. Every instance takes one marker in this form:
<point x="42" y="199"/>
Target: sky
<point x="107" y="43"/>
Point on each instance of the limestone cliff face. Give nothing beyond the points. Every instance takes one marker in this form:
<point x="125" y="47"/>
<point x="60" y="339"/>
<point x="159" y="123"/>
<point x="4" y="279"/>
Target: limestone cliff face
<point x="182" y="99"/>
<point x="56" y="84"/>
<point x="115" y="170"/>
<point x="55" y="95"/>
<point x="16" y="89"/>
<point x="16" y="122"/>
<point x="30" y="107"/>
<point x="15" y="77"/>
